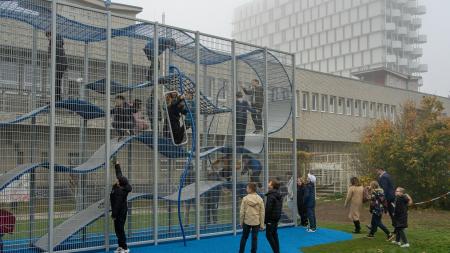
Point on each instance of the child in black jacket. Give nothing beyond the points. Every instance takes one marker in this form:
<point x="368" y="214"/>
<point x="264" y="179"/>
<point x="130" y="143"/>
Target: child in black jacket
<point x="123" y="120"/>
<point x="402" y="201"/>
<point x="274" y="205"/>
<point x="118" y="198"/>
<point x="175" y="109"/>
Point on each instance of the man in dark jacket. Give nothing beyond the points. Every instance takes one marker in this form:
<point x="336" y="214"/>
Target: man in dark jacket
<point x="61" y="61"/>
<point x="301" y="185"/>
<point x="163" y="44"/>
<point x="257" y="102"/>
<point x="242" y="106"/>
<point x="274" y="204"/>
<point x="309" y="201"/>
<point x="118" y="198"/>
<point x="385" y="182"/>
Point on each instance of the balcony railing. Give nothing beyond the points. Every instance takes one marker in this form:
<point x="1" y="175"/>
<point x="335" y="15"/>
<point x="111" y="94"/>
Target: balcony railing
<point x="416" y="22"/>
<point x="402" y="30"/>
<point x="417" y="52"/>
<point x="390" y="26"/>
<point x="421" y="10"/>
<point x="422" y="38"/>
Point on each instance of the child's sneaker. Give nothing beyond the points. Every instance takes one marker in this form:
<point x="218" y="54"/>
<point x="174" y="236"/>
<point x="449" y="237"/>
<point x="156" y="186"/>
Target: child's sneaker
<point x="406" y="245"/>
<point x="311" y="230"/>
<point x="396" y="243"/>
<point x="390" y="236"/>
<point x="118" y="250"/>
<point x="370" y="236"/>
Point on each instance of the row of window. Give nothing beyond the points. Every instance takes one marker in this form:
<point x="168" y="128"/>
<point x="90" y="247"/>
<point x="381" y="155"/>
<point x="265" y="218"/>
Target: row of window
<point x="316" y="102"/>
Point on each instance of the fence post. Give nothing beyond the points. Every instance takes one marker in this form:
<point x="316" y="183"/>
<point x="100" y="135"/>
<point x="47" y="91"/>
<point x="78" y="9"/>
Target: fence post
<point x="155" y="132"/>
<point x="51" y="197"/>
<point x="107" y="125"/>
<point x="197" y="136"/>
<point x="266" y="130"/>
<point x="233" y="135"/>
<point x="294" y="141"/>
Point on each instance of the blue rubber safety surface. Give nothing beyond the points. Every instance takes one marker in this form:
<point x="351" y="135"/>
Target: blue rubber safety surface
<point x="291" y="241"/>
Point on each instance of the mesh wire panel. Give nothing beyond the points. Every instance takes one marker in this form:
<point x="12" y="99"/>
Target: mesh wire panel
<point x="191" y="75"/>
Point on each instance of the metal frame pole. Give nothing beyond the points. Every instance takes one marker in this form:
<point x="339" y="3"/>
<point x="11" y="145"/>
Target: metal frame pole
<point x="33" y="137"/>
<point x="51" y="200"/>
<point x="266" y="130"/>
<point x="107" y="126"/>
<point x="155" y="133"/>
<point x="82" y="137"/>
<point x="294" y="141"/>
<point x="197" y="135"/>
<point x="233" y="134"/>
<point x="130" y="147"/>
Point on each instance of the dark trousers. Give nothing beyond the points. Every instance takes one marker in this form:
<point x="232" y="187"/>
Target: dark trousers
<point x="1" y="243"/>
<point x="303" y="216"/>
<point x="377" y="223"/>
<point x="400" y="235"/>
<point x="272" y="236"/>
<point x="257" y="119"/>
<point x="390" y="209"/>
<point x="119" y="228"/>
<point x="58" y="84"/>
<point x="245" y="234"/>
<point x="211" y="211"/>
<point x="311" y="214"/>
<point x="240" y="135"/>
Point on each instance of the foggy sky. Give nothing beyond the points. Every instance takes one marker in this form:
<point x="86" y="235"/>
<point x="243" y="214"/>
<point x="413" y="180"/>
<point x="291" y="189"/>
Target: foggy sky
<point x="215" y="17"/>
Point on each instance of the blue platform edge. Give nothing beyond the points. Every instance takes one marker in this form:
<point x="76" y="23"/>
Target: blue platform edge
<point x="292" y="239"/>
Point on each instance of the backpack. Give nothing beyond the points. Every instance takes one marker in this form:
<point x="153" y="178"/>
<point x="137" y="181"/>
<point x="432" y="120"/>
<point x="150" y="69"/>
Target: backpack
<point x="378" y="204"/>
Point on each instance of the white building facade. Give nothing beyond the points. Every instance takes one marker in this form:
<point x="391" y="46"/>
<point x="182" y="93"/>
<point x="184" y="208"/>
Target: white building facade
<point x="338" y="36"/>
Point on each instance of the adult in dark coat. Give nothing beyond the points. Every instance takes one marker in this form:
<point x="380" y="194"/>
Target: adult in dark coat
<point x="386" y="183"/>
<point x="123" y="119"/>
<point x="242" y="106"/>
<point x="61" y="62"/>
<point x="257" y="101"/>
<point x="119" y="206"/>
<point x="301" y="185"/>
<point x="274" y="205"/>
<point x="163" y="44"/>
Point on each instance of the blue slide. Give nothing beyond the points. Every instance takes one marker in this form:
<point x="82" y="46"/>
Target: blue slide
<point x="97" y="210"/>
<point x="83" y="108"/>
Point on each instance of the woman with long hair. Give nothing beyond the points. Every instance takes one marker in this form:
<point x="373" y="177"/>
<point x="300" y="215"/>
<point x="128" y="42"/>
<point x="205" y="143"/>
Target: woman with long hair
<point x="354" y="202"/>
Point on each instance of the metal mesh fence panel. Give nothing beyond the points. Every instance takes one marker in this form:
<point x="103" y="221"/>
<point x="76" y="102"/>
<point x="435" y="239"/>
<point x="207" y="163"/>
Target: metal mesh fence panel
<point x="174" y="109"/>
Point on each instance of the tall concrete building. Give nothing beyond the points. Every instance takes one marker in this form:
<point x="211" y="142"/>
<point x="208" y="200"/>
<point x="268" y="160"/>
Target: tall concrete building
<point x="375" y="40"/>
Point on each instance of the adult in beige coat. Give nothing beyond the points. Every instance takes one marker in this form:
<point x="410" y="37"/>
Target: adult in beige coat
<point x="354" y="202"/>
<point x="251" y="217"/>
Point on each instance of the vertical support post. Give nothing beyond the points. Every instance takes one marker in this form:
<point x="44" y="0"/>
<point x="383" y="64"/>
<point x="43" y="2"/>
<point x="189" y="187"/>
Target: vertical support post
<point x="266" y="120"/>
<point x="233" y="133"/>
<point x="51" y="197"/>
<point x="82" y="138"/>
<point x="155" y="133"/>
<point x="130" y="147"/>
<point x="33" y="137"/>
<point x="197" y="135"/>
<point x="107" y="126"/>
<point x="294" y="140"/>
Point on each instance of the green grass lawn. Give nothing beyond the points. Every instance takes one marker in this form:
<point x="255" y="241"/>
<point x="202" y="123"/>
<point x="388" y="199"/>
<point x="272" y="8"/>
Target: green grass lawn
<point x="428" y="232"/>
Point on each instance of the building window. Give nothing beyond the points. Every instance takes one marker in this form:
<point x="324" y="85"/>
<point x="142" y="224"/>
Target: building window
<point x="332" y="106"/>
<point x="364" y="109"/>
<point x="357" y="107"/>
<point x="305" y="101"/>
<point x="340" y="107"/>
<point x="348" y="106"/>
<point x="297" y="101"/>
<point x="20" y="157"/>
<point x="209" y="86"/>
<point x="393" y="113"/>
<point x="315" y="102"/>
<point x="386" y="111"/>
<point x="379" y="110"/>
<point x="372" y="110"/>
<point x="323" y="103"/>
